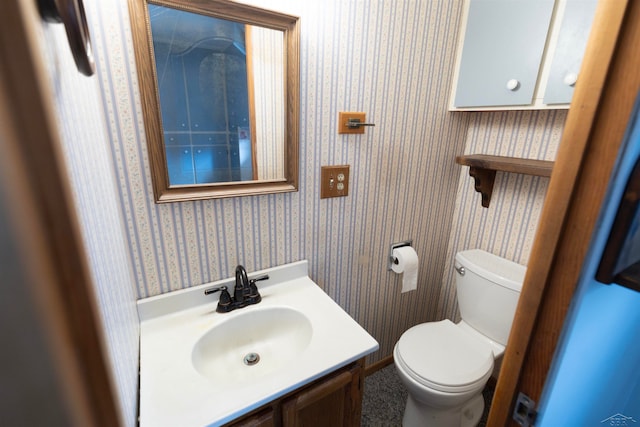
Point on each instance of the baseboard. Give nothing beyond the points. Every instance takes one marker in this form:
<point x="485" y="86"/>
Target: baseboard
<point x="374" y="367"/>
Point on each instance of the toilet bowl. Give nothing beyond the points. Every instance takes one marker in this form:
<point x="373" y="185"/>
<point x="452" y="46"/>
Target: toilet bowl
<point x="444" y="365"/>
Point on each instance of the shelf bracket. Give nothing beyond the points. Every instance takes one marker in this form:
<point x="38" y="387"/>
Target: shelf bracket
<point x="483" y="167"/>
<point x="484" y="179"/>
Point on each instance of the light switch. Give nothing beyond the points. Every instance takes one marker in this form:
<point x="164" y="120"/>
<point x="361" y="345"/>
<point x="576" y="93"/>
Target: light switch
<point x="334" y="181"/>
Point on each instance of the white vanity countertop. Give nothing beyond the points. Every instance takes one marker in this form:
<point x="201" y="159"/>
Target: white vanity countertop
<point x="174" y="393"/>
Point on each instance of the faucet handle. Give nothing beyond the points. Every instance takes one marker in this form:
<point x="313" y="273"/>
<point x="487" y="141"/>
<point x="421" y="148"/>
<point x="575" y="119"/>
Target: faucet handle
<point x="224" y="302"/>
<point x="259" y="278"/>
<point x="254" y="296"/>
<point x="214" y="290"/>
<point x="252" y="284"/>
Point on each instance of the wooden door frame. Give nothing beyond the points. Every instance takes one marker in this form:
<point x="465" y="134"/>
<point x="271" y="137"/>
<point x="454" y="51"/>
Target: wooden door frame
<point x="39" y="196"/>
<point x="595" y="127"/>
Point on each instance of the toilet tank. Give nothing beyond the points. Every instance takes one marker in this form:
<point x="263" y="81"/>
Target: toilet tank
<point x="488" y="292"/>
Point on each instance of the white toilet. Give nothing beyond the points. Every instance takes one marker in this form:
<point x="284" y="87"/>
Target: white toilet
<point x="444" y="365"/>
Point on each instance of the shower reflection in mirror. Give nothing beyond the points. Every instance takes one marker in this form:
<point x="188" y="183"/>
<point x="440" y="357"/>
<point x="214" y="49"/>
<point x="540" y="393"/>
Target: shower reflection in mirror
<point x="216" y="81"/>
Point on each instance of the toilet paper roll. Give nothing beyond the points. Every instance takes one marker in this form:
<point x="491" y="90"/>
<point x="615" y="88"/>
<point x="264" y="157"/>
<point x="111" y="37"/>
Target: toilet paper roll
<point x="407" y="265"/>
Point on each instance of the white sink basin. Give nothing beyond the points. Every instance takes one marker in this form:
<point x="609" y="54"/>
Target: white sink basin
<point x="192" y="371"/>
<point x="252" y="344"/>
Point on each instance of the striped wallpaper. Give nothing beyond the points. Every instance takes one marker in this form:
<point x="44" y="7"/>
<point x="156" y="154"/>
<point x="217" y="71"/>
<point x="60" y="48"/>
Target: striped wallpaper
<point x="507" y="228"/>
<point x="392" y="59"/>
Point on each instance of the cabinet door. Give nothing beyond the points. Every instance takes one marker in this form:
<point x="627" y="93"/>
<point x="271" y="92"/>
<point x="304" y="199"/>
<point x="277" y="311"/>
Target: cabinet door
<point x="572" y="41"/>
<point x="264" y="418"/>
<point x="335" y="402"/>
<point x="503" y="42"/>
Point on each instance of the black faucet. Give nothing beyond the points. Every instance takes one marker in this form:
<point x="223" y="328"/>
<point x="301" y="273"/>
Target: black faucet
<point x="241" y="288"/>
<point x="245" y="292"/>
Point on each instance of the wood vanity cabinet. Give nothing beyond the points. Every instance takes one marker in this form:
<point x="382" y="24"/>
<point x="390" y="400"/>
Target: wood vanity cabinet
<point x="334" y="400"/>
<point x="264" y="418"/>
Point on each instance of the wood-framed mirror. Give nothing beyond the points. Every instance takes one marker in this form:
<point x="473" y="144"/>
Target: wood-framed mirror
<point x="219" y="83"/>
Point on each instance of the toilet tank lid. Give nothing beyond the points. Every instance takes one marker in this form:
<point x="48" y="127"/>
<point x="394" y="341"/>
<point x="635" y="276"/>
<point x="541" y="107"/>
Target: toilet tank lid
<point x="492" y="267"/>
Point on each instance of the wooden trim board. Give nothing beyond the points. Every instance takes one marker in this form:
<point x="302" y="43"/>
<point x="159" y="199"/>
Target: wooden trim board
<point x="595" y="126"/>
<point x="44" y="218"/>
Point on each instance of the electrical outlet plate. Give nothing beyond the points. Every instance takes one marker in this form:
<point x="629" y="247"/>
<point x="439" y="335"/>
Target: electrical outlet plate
<point x="343" y="118"/>
<point x="334" y="181"/>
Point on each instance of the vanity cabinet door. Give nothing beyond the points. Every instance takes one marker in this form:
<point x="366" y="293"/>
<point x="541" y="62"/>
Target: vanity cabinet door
<point x="502" y="52"/>
<point x="334" y="402"/>
<point x="264" y="418"/>
<point x="331" y="401"/>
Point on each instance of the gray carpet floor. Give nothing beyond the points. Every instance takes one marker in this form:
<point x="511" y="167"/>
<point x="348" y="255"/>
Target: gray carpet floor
<point x="385" y="396"/>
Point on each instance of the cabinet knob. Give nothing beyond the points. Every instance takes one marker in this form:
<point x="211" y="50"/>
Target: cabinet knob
<point x="513" y="85"/>
<point x="570" y="79"/>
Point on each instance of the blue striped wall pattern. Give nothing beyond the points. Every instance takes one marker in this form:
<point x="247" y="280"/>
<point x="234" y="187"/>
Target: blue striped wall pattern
<point x="85" y="145"/>
<point x="507" y="228"/>
<point x="391" y="59"/>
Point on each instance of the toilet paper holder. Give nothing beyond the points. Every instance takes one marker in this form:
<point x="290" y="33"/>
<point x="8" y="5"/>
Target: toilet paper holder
<point x="393" y="259"/>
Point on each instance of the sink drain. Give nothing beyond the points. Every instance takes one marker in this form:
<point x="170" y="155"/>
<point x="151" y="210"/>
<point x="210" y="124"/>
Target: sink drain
<point x="251" y="359"/>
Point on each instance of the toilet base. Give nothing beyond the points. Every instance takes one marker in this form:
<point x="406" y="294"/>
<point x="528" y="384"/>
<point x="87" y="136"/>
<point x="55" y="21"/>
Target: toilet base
<point x="419" y="415"/>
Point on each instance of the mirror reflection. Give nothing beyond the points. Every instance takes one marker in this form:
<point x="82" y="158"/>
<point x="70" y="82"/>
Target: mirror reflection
<point x="221" y="91"/>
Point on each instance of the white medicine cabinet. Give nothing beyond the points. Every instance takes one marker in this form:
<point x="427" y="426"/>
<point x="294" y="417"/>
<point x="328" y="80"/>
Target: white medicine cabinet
<point x="520" y="54"/>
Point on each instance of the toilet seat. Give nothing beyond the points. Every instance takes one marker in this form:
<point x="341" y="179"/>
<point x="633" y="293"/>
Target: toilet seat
<point x="442" y="356"/>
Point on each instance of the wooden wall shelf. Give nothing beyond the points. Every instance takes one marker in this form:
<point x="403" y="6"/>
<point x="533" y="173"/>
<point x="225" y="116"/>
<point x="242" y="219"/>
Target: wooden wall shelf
<point x="483" y="168"/>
